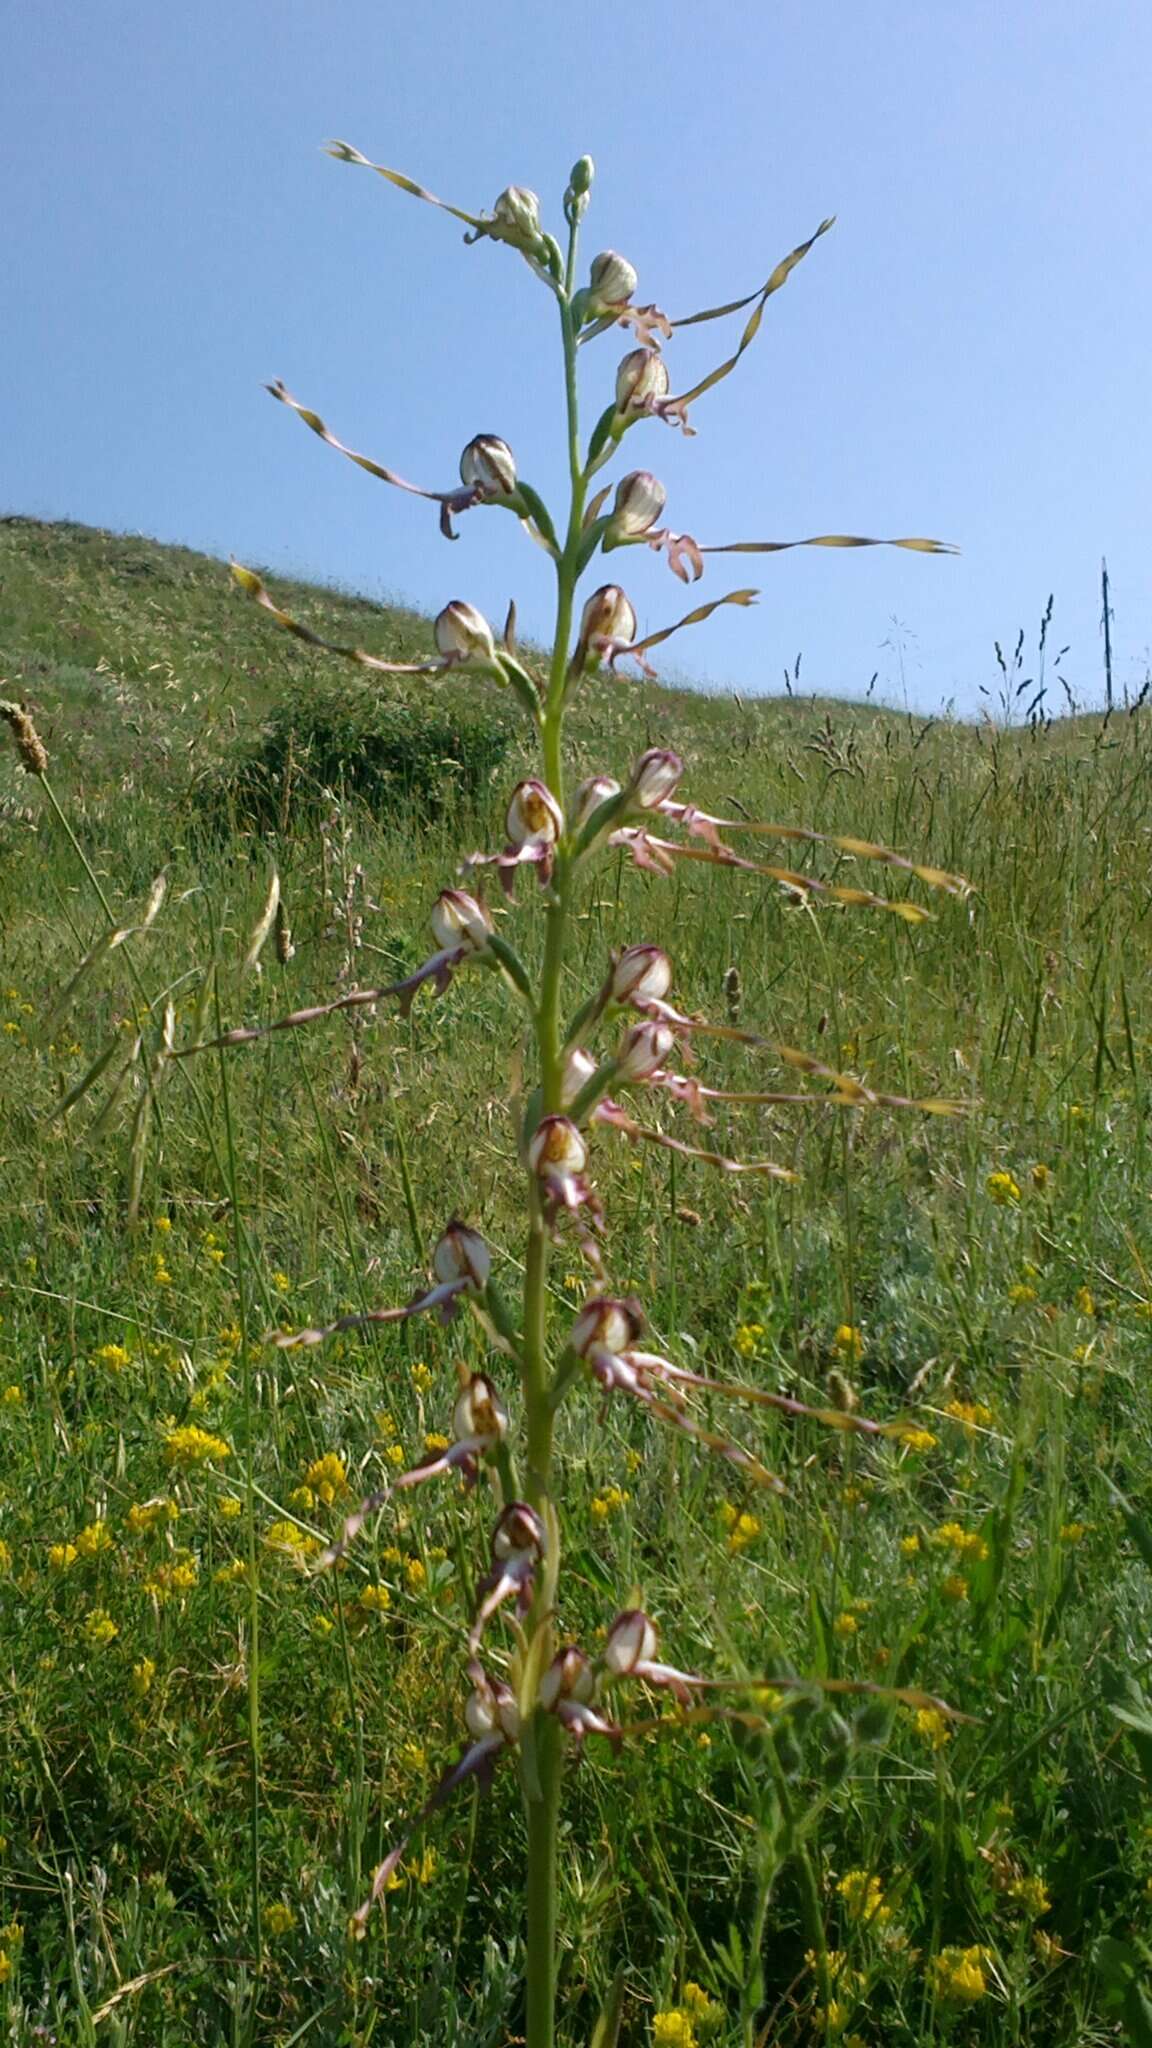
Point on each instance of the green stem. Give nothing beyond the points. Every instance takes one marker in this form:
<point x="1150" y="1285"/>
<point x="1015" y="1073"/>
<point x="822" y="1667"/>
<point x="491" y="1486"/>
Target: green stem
<point x="541" y="1784"/>
<point x="543" y="1820"/>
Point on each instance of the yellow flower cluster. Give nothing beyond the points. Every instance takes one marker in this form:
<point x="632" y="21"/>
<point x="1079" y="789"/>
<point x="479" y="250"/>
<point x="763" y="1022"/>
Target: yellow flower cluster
<point x="12" y="1396"/>
<point x="94" y="1540"/>
<point x="913" y="1437"/>
<point x="973" y="1414"/>
<point x="375" y="1599"/>
<point x="743" y="1529"/>
<point x="291" y="1541"/>
<point x="958" y="1975"/>
<point x="189" y="1446"/>
<point x="114" y="1356"/>
<point x="746" y="1339"/>
<point x="328" y="1477"/>
<point x="145" y="1514"/>
<point x="279" y="1918"/>
<point x="849" y="1342"/>
<point x="1031" y="1895"/>
<point x="933" y="1726"/>
<point x="961" y="1542"/>
<point x="100" y="1629"/>
<point x="421" y="1377"/>
<point x="863" y="1896"/>
<point x="1003" y="1189"/>
<point x="609" y="1501"/>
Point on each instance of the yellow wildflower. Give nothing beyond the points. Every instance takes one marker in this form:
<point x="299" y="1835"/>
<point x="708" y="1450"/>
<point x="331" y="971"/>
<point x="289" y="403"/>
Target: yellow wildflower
<point x="421" y="1377"/>
<point x="385" y="1424"/>
<point x="230" y="1572"/>
<point x="375" y="1599"/>
<point x="162" y="1224"/>
<point x="1085" y="1301"/>
<point x="183" y="1576"/>
<point x="863" y="1896"/>
<point x="302" y="1499"/>
<point x="281" y="1283"/>
<point x="12" y="1396"/>
<point x="673" y="2029"/>
<point x="1041" y="1175"/>
<point x="973" y="1414"/>
<point x="1021" y="1295"/>
<point x="94" y="1540"/>
<point x="1073" y="1532"/>
<point x="955" y="1587"/>
<point x="747" y="1339"/>
<point x="190" y="1445"/>
<point x="845" y="1624"/>
<point x="914" y="1438"/>
<point x="395" y="1454"/>
<point x="961" y="1542"/>
<point x="1003" y="1189"/>
<point x="229" y="1507"/>
<point x="435" y="1441"/>
<point x="933" y="1726"/>
<point x="328" y="1476"/>
<point x="62" y="1556"/>
<point x="910" y="1545"/>
<point x="609" y="1501"/>
<point x="1031" y="1895"/>
<point x="745" y="1529"/>
<point x="114" y="1356"/>
<point x="290" y="1541"/>
<point x="415" y="1574"/>
<point x="100" y="1629"/>
<point x="142" y="1675"/>
<point x="279" y="1918"/>
<point x="849" y="1342"/>
<point x="958" y="1975"/>
<point x="143" y="1515"/>
<point x="415" y="1757"/>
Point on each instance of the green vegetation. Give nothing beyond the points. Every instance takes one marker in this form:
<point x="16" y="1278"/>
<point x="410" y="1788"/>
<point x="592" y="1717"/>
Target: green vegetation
<point x="984" y="1879"/>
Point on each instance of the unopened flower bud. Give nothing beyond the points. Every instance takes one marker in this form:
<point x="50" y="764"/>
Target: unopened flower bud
<point x="642" y="974"/>
<point x="463" y="633"/>
<point x="606" y="1324"/>
<point x="534" y="817"/>
<point x="458" y="919"/>
<point x="631" y="1641"/>
<point x="655" y="776"/>
<point x="579" y="1067"/>
<point x="518" y="212"/>
<point x="581" y="175"/>
<point x="644" y="1050"/>
<point x="641" y="380"/>
<point x="489" y="463"/>
<point x="557" y="1148"/>
<point x="461" y="1254"/>
<point x="569" y="1677"/>
<point x="479" y="1412"/>
<point x="612" y="279"/>
<point x="640" y="499"/>
<point x="591" y="795"/>
<point x="519" y="1528"/>
<point x="607" y="620"/>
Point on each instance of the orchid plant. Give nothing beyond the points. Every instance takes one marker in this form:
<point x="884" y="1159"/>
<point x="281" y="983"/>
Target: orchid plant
<point x="533" y="1697"/>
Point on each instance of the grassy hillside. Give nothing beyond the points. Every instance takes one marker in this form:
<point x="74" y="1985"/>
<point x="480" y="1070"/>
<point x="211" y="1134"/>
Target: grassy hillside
<point x="983" y="1879"/>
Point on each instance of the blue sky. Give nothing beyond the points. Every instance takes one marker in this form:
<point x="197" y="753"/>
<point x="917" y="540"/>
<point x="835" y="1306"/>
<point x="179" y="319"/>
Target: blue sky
<point x="965" y="355"/>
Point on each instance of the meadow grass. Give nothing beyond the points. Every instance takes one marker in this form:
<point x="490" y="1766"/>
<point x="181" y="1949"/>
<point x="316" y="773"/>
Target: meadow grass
<point x="984" y="1878"/>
